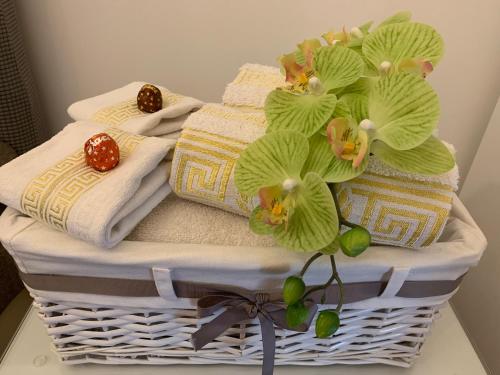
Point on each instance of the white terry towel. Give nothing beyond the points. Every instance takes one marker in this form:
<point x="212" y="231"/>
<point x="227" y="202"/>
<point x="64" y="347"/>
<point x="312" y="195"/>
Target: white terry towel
<point x="53" y="184"/>
<point x="207" y="151"/>
<point x="118" y="108"/>
<point x="252" y="85"/>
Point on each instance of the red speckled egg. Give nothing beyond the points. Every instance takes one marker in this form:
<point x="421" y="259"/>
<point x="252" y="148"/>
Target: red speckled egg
<point x="101" y="152"/>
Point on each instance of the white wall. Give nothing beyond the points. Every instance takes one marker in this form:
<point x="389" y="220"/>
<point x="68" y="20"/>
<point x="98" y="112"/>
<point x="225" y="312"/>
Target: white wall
<point x="83" y="47"/>
<point x="478" y="301"/>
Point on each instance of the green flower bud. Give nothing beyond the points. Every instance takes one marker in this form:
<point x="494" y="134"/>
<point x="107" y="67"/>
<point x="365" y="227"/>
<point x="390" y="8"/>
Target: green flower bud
<point x="327" y="324"/>
<point x="293" y="290"/>
<point x="296" y="314"/>
<point x="355" y="241"/>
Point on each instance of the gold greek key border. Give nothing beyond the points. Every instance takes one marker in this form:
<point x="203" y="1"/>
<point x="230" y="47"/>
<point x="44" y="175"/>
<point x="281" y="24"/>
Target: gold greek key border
<point x="118" y="113"/>
<point x="50" y="196"/>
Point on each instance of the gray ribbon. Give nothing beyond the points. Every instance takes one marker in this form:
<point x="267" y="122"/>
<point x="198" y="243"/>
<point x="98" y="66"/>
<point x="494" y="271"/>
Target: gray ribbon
<point x="240" y="304"/>
<point x="245" y="305"/>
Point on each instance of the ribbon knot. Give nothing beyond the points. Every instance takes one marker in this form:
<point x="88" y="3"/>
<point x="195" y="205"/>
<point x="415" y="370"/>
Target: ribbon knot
<point x="242" y="305"/>
<point x="254" y="308"/>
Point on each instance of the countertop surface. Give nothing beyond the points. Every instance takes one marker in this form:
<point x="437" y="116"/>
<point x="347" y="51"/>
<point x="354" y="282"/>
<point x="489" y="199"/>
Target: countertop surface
<point x="446" y="352"/>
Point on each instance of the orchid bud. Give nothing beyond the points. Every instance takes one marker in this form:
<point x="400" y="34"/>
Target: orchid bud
<point x="355" y="241"/>
<point x="293" y="290"/>
<point x="327" y="324"/>
<point x="296" y="314"/>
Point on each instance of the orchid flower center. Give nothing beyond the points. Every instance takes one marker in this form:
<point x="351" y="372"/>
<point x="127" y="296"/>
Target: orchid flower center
<point x="348" y="141"/>
<point x="385" y="66"/>
<point x="276" y="202"/>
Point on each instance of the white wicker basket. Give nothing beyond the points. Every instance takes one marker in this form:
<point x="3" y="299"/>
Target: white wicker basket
<point x="104" y="327"/>
<point x="99" y="334"/>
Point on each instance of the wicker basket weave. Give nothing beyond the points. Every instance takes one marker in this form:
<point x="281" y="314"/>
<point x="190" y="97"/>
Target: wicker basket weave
<point x="83" y="333"/>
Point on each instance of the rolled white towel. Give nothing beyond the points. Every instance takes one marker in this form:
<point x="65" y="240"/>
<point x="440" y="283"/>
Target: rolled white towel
<point x="252" y="85"/>
<point x="118" y="108"/>
<point x="53" y="184"/>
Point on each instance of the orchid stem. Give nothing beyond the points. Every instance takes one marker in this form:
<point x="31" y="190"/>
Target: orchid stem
<point x="342" y="220"/>
<point x="336" y="201"/>
<point x="309" y="262"/>
<point x="339" y="282"/>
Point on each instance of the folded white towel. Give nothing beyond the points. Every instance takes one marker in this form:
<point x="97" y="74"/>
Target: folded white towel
<point x="118" y="108"/>
<point x="53" y="184"/>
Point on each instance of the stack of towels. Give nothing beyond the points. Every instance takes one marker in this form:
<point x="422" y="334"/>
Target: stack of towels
<point x="53" y="184"/>
<point x="397" y="208"/>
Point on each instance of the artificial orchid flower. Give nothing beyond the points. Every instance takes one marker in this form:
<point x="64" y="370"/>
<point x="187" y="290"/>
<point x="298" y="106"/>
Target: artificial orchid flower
<point x="296" y="205"/>
<point x="403" y="47"/>
<point x="325" y="71"/>
<point x="348" y="142"/>
<point x="298" y="74"/>
<point x="276" y="204"/>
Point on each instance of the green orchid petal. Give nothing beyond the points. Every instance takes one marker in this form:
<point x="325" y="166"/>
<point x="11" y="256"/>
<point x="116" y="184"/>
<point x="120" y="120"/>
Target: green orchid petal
<point x="430" y="158"/>
<point x="337" y="66"/>
<point x="270" y="160"/>
<point x="404" y="109"/>
<point x="365" y="28"/>
<point x="342" y="170"/>
<point x="314" y="223"/>
<point x="397" y="42"/>
<point x="320" y="155"/>
<point x="399" y="17"/>
<point x="362" y="86"/>
<point x="257" y="225"/>
<point x="301" y="113"/>
<point x="358" y="106"/>
<point x="342" y="110"/>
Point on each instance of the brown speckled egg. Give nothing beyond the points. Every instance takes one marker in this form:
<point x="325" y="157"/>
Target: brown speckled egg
<point x="149" y="99"/>
<point x="101" y="152"/>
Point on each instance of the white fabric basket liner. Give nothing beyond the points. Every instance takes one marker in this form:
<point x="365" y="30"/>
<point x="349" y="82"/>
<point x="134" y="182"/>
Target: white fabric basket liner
<point x="40" y="250"/>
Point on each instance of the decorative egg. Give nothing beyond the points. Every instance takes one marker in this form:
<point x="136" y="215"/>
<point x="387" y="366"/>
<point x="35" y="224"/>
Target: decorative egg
<point x="101" y="152"/>
<point x="149" y="99"/>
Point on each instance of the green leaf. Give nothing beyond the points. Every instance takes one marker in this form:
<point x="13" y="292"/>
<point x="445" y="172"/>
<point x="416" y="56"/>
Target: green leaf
<point x="270" y="160"/>
<point x="293" y="289"/>
<point x="296" y="314"/>
<point x="327" y="323"/>
<point x="399" y="41"/>
<point x="342" y="170"/>
<point x="301" y="113"/>
<point x="404" y="109"/>
<point x="355" y="241"/>
<point x="337" y="66"/>
<point x="314" y="223"/>
<point x="358" y="106"/>
<point x="320" y="155"/>
<point x="399" y="17"/>
<point x="257" y="225"/>
<point x="430" y="158"/>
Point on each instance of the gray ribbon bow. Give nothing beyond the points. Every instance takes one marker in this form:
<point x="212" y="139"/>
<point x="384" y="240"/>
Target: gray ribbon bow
<point x="244" y="305"/>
